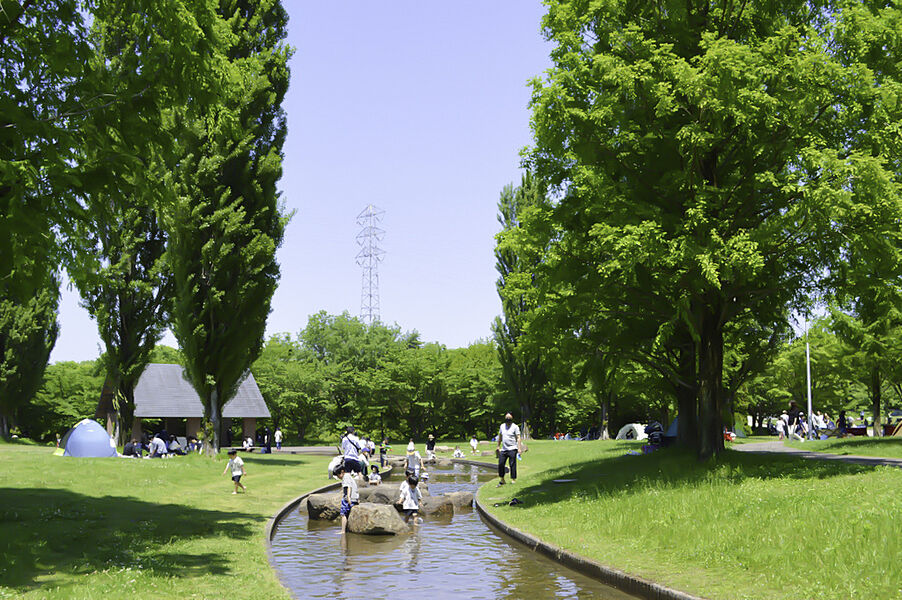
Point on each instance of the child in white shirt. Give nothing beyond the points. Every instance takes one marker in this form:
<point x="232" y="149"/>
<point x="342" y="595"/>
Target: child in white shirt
<point x="236" y="465"/>
<point x="410" y="499"/>
<point x="375" y="478"/>
<point x="349" y="495"/>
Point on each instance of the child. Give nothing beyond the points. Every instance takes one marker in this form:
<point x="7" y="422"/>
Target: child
<point x="414" y="460"/>
<point x="410" y="499"/>
<point x="375" y="477"/>
<point x="349" y="495"/>
<point x="383" y="450"/>
<point x="473" y="443"/>
<point x="457" y="452"/>
<point x="236" y="465"/>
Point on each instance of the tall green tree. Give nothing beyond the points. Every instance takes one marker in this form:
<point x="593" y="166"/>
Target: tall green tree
<point x="226" y="223"/>
<point x="706" y="155"/>
<point x="523" y="370"/>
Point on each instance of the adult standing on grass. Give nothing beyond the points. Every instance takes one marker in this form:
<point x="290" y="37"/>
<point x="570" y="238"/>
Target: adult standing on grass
<point x="278" y="437"/>
<point x="508" y="447"/>
<point x="430" y="447"/>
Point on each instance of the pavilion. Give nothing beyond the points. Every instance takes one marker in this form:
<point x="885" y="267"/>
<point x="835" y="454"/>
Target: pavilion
<point x="163" y="392"/>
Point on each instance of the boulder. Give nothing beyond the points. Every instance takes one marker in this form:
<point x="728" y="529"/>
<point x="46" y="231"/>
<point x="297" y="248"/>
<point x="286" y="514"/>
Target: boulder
<point x="325" y="507"/>
<point x="437" y="506"/>
<point x="369" y="518"/>
<point x="397" y="461"/>
<point x="487" y="453"/>
<point x="379" y="494"/>
<point x="443" y="462"/>
<point x="444" y="449"/>
<point x="461" y="499"/>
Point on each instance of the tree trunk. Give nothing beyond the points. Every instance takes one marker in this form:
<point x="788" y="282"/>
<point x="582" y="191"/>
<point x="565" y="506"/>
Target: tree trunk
<point x="524" y="418"/>
<point x="876" y="401"/>
<point x="4" y="427"/>
<point x="125" y="412"/>
<point x="687" y="400"/>
<point x="211" y="439"/>
<point x="605" y="406"/>
<point x="710" y="404"/>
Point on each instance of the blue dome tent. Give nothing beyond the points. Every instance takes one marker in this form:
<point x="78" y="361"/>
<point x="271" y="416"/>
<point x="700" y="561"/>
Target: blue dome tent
<point x="87" y="438"/>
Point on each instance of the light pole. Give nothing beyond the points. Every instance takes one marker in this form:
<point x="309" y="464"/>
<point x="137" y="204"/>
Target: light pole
<point x="808" y="381"/>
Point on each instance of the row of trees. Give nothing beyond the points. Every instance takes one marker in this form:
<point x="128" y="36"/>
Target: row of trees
<point x="700" y="171"/>
<point x="140" y="146"/>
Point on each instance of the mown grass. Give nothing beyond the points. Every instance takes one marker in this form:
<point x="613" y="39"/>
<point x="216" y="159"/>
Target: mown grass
<point x="744" y="526"/>
<point x="116" y="528"/>
<point x="883" y="447"/>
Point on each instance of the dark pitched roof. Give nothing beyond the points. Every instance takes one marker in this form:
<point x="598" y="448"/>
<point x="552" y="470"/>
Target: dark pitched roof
<point x="163" y="391"/>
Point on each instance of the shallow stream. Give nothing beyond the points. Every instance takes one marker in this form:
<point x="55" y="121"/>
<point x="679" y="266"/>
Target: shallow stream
<point x="459" y="557"/>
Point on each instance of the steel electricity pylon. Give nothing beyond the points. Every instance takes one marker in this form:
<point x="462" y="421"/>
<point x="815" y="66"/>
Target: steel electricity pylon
<point x="369" y="257"/>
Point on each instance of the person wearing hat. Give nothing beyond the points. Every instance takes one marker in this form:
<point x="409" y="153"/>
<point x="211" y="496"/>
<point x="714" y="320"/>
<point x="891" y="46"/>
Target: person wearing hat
<point x="414" y="460"/>
<point x="350" y="449"/>
<point x="508" y="447"/>
<point x="430" y="447"/>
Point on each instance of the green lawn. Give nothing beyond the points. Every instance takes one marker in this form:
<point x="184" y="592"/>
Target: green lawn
<point x="746" y="526"/>
<point x="117" y="528"/>
<point x="885" y="447"/>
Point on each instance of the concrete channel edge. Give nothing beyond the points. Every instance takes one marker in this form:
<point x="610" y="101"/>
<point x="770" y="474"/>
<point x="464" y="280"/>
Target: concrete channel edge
<point x="607" y="575"/>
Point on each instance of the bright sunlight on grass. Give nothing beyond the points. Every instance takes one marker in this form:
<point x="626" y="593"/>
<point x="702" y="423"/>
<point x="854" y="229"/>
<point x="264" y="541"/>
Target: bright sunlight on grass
<point x="117" y="528"/>
<point x="745" y="526"/>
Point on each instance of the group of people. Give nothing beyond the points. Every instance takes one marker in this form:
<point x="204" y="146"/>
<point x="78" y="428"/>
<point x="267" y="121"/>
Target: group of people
<point x="793" y="424"/>
<point x="161" y="445"/>
<point x="355" y="459"/>
<point x="265" y="440"/>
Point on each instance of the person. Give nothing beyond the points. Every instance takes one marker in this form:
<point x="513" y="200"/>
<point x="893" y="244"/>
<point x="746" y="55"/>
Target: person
<point x="158" y="448"/>
<point x="410" y="499"/>
<point x="375" y="478"/>
<point x="781" y="427"/>
<point x="842" y="424"/>
<point x="457" y="452"/>
<point x="508" y="447"/>
<point x="349" y="495"/>
<point x="473" y="443"/>
<point x="248" y="444"/>
<point x="267" y="441"/>
<point x="236" y="466"/>
<point x="350" y="449"/>
<point x="384" y="449"/>
<point x="132" y="448"/>
<point x="278" y="437"/>
<point x="193" y="445"/>
<point x="430" y="447"/>
<point x="414" y="460"/>
<point x="794" y="422"/>
<point x="174" y="446"/>
<point x="819" y="423"/>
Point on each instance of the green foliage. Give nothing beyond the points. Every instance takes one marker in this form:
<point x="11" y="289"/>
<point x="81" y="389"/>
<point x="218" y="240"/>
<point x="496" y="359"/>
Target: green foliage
<point x="711" y="165"/>
<point x="225" y="223"/>
<point x="67" y="394"/>
<point x="340" y="371"/>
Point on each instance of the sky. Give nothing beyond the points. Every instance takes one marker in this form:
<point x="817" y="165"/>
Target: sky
<point x="420" y="108"/>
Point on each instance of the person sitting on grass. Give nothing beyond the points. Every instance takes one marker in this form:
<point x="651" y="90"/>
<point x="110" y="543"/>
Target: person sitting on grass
<point x="158" y="448"/>
<point x="175" y="447"/>
<point x="458" y="453"/>
<point x="410" y="499"/>
<point x="236" y="466"/>
<point x="349" y="495"/>
<point x="132" y="448"/>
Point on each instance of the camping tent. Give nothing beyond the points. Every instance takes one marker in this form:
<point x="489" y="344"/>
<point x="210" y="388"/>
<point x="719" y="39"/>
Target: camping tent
<point x="87" y="438"/>
<point x="632" y="431"/>
<point x="672" y="430"/>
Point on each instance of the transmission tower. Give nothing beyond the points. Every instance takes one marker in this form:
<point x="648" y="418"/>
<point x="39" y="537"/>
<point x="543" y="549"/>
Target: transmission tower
<point x="369" y="257"/>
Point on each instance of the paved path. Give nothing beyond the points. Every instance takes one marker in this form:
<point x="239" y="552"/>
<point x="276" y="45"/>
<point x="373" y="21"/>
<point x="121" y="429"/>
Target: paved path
<point x="779" y="448"/>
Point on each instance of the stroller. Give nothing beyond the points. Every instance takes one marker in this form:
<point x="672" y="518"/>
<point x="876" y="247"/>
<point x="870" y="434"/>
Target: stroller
<point x="655" y="433"/>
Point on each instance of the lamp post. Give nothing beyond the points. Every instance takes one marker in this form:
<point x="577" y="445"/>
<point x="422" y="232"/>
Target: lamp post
<point x="808" y="381"/>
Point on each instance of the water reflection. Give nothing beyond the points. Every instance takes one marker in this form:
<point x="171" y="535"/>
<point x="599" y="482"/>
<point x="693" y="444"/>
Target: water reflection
<point x="443" y="558"/>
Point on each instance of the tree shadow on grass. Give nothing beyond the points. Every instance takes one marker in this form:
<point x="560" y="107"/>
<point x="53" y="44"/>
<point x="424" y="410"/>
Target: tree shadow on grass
<point x="673" y="468"/>
<point x="46" y="532"/>
<point x="264" y="459"/>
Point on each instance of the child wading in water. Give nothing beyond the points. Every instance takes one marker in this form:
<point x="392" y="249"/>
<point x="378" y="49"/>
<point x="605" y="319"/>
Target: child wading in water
<point x="349" y="495"/>
<point x="236" y="465"/>
<point x="410" y="499"/>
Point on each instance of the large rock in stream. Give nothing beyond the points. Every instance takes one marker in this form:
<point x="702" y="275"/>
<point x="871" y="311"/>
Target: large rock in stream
<point x="437" y="506"/>
<point x="325" y="507"/>
<point x="461" y="499"/>
<point x="369" y="518"/>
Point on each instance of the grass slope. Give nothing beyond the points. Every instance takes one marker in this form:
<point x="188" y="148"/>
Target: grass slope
<point x="885" y="447"/>
<point x="116" y="528"/>
<point x="745" y="526"/>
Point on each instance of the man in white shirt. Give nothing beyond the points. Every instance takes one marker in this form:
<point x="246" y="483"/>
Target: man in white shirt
<point x="508" y="447"/>
<point x="350" y="448"/>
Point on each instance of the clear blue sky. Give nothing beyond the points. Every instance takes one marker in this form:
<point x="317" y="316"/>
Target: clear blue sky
<point x="419" y="108"/>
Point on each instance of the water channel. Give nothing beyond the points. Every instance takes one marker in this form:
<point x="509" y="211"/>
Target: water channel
<point x="459" y="557"/>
